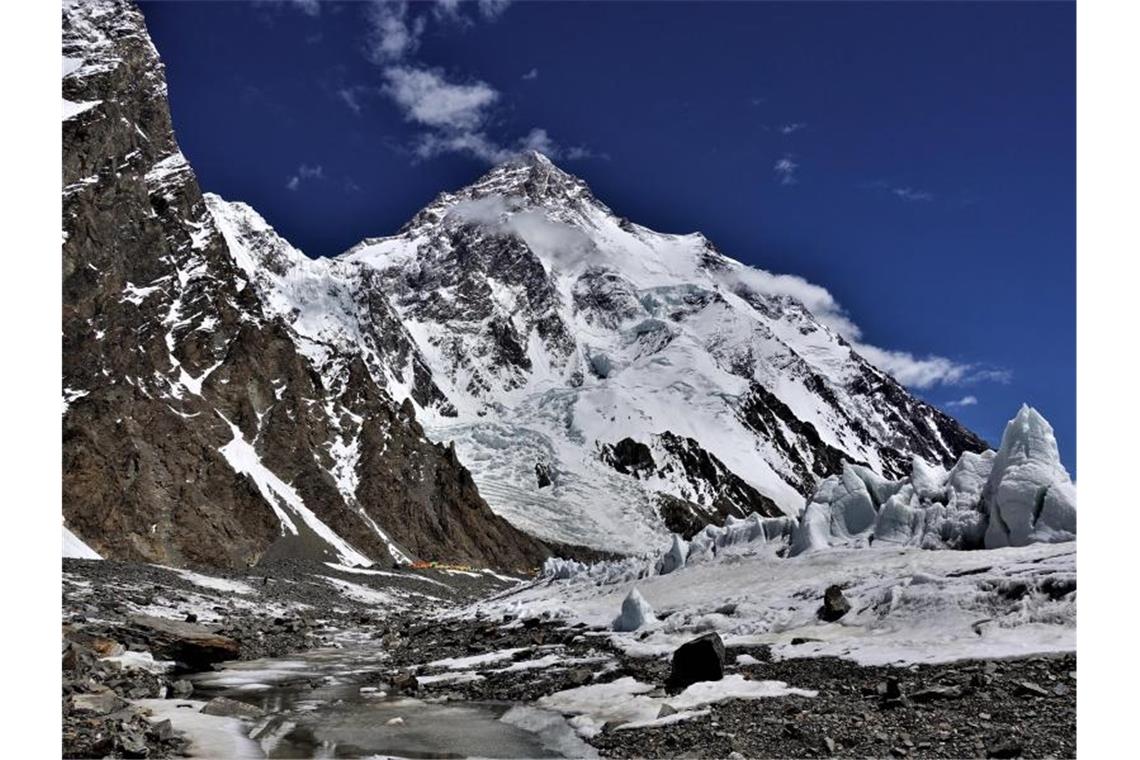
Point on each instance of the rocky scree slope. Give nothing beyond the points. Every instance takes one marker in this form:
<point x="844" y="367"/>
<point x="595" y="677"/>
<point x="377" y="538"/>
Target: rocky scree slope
<point x="196" y="429"/>
<point x="605" y="383"/>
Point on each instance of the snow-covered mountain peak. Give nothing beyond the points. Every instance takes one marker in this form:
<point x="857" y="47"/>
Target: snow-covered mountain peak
<point x="551" y="340"/>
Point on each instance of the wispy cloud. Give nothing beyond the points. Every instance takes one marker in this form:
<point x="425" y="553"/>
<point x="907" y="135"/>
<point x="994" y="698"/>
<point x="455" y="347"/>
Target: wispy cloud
<point x="453" y="11"/>
<point x="902" y="192"/>
<point x="964" y="401"/>
<point x="910" y="194"/>
<point x="492" y="9"/>
<point x="787" y="129"/>
<point x="305" y="172"/>
<point x="785" y="170"/>
<point x="910" y="370"/>
<point x="393" y="33"/>
<point x="308" y="7"/>
<point x="531" y="75"/>
<point x="350" y="96"/>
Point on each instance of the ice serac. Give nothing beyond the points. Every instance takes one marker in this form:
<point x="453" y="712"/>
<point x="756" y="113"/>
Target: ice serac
<point x="200" y="426"/>
<point x="635" y="613"/>
<point x="1029" y="497"/>
<point x="1018" y="495"/>
<point x="607" y="384"/>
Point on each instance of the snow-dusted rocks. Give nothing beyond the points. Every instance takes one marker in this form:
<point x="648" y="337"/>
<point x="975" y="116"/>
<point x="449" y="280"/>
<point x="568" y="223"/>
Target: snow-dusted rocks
<point x="1029" y="497"/>
<point x="1021" y="494"/>
<point x="635" y="613"/>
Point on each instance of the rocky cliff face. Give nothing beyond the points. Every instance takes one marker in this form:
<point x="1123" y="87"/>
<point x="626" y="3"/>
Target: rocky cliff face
<point x="198" y="426"/>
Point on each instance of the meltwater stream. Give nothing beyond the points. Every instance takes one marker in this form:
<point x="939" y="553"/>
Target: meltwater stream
<point x="321" y="704"/>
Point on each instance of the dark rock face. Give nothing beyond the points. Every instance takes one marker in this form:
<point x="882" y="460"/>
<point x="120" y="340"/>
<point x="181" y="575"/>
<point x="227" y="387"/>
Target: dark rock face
<point x="728" y="494"/>
<point x="543" y="474"/>
<point x="835" y="604"/>
<point x="706" y="491"/>
<point x="629" y="457"/>
<point x="171" y="358"/>
<point x="701" y="659"/>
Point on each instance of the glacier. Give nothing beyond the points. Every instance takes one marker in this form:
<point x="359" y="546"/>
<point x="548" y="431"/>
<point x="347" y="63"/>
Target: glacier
<point x="1020" y="494"/>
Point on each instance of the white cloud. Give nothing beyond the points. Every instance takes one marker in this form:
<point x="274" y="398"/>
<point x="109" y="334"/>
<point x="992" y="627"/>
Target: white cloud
<point x="392" y="34"/>
<point x="910" y="194"/>
<point x="785" y="170"/>
<point x="915" y="371"/>
<point x="351" y="97"/>
<point x="305" y="172"/>
<point x="476" y="143"/>
<point x="964" y="401"/>
<point x="788" y="129"/>
<point x="904" y="192"/>
<point x="908" y="369"/>
<point x="448" y="9"/>
<point x="492" y="9"/>
<point x="452" y="11"/>
<point x="427" y="98"/>
<point x="455" y="114"/>
<point x="308" y="7"/>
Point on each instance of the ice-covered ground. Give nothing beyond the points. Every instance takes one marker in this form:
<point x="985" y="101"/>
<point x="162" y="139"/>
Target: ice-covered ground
<point x="908" y="605"/>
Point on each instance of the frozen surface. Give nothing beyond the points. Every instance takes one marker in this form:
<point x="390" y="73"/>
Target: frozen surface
<point x="210" y="735"/>
<point x="213" y="582"/>
<point x="627" y="700"/>
<point x="908" y="604"/>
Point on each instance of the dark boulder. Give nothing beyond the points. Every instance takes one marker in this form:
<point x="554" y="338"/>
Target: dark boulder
<point x="701" y="659"/>
<point x="405" y="683"/>
<point x="835" y="604"/>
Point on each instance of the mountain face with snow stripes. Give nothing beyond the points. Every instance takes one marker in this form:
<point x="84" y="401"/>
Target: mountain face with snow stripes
<point x="544" y="335"/>
<point x="197" y="427"/>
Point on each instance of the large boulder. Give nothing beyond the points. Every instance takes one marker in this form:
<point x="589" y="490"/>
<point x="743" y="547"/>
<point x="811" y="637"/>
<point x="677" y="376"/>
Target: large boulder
<point x="194" y="646"/>
<point x="97" y="703"/>
<point x="835" y="604"/>
<point x="701" y="659"/>
<point x="635" y="613"/>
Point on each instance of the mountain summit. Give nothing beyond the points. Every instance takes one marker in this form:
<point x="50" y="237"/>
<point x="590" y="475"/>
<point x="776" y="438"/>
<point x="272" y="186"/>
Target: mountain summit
<point x="605" y="383"/>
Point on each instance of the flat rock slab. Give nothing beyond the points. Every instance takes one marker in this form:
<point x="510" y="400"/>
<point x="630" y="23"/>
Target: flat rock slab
<point x="99" y="703"/>
<point x="231" y="708"/>
<point x="189" y="643"/>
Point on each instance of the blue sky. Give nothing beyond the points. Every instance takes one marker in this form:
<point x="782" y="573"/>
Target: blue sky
<point x="916" y="159"/>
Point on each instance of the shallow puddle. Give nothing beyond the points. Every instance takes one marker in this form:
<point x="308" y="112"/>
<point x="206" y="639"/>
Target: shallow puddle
<point x="322" y="704"/>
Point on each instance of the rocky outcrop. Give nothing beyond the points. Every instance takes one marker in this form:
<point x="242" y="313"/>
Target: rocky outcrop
<point x="199" y="426"/>
<point x="693" y="488"/>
